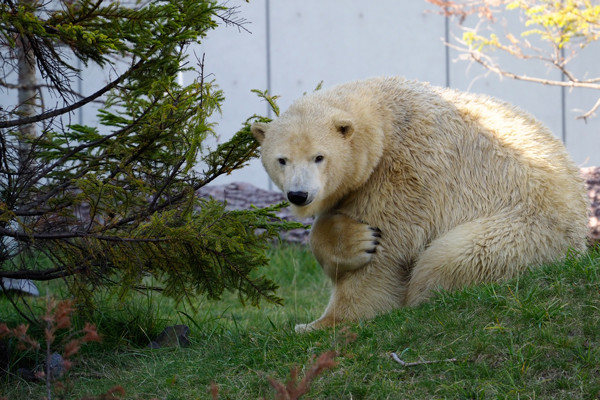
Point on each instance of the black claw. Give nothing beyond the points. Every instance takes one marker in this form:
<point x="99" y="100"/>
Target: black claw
<point x="376" y="231"/>
<point x="372" y="251"/>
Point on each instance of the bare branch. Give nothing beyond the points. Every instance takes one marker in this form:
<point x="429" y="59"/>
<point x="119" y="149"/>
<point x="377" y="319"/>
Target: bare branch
<point x="464" y="9"/>
<point x="230" y="17"/>
<point x="563" y="31"/>
<point x="20" y="235"/>
<point x="479" y="58"/>
<point x="41" y="275"/>
<point x="412" y="364"/>
<point x="590" y="112"/>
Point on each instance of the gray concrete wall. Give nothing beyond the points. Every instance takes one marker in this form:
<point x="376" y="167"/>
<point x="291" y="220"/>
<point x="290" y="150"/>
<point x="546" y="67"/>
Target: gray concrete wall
<point x="295" y="44"/>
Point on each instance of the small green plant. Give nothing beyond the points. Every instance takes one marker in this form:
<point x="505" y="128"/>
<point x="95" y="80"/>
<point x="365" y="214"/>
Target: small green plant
<point x="294" y="389"/>
<point x="55" y="321"/>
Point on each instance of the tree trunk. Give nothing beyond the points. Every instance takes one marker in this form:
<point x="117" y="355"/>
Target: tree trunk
<point x="27" y="95"/>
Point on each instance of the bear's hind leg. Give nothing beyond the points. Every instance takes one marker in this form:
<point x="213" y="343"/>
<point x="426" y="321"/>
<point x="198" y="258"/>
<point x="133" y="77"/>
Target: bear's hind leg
<point x="484" y="250"/>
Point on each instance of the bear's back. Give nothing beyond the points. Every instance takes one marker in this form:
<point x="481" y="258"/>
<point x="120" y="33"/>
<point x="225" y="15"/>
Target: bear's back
<point x="452" y="157"/>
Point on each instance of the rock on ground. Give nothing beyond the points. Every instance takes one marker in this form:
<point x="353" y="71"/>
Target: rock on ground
<point x="240" y="196"/>
<point x="172" y="336"/>
<point x="592" y="181"/>
<point x="19" y="285"/>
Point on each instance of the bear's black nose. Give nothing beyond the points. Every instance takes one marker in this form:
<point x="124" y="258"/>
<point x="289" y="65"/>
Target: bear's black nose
<point x="297" y="198"/>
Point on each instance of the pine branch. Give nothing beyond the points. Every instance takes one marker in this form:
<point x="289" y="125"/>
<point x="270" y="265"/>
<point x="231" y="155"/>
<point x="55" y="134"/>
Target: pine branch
<point x="60" y="111"/>
<point x="111" y="208"/>
<point x="41" y="275"/>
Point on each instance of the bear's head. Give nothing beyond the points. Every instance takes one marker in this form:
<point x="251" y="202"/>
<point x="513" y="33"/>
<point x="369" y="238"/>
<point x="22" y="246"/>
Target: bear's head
<point x="317" y="154"/>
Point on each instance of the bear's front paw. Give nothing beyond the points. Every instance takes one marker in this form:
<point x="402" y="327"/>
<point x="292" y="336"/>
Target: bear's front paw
<point x="362" y="244"/>
<point x="342" y="244"/>
<point x="375" y="236"/>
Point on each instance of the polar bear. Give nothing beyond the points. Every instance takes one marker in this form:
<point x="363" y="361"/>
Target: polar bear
<point x="417" y="188"/>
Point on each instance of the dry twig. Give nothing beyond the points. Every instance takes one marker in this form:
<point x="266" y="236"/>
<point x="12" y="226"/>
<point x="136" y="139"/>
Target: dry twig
<point x="412" y="364"/>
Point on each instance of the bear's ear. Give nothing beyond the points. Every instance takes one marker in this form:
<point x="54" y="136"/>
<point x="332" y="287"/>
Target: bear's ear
<point x="258" y="130"/>
<point x="344" y="127"/>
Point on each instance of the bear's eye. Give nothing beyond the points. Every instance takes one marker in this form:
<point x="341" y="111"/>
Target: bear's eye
<point x="318" y="159"/>
<point x="281" y="161"/>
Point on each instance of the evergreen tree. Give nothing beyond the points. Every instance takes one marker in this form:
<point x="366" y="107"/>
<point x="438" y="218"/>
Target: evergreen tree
<point x="114" y="203"/>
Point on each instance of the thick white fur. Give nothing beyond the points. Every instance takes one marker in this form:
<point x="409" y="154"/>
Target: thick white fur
<point x="464" y="189"/>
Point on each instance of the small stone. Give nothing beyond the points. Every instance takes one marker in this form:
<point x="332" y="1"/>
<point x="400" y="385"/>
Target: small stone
<point x="172" y="336"/>
<point x="242" y="196"/>
<point x="20" y="285"/>
<point x="27" y="374"/>
<point x="591" y="175"/>
<point x="56" y="366"/>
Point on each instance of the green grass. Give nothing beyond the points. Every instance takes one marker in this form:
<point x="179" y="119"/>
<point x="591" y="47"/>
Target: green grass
<point x="536" y="337"/>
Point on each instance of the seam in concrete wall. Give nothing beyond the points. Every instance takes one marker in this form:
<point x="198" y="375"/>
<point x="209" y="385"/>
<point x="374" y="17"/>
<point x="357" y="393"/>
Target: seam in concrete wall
<point x="446" y="48"/>
<point x="563" y="103"/>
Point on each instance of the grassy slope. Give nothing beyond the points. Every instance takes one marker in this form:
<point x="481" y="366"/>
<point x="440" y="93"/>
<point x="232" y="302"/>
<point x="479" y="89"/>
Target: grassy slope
<point x="534" y="337"/>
